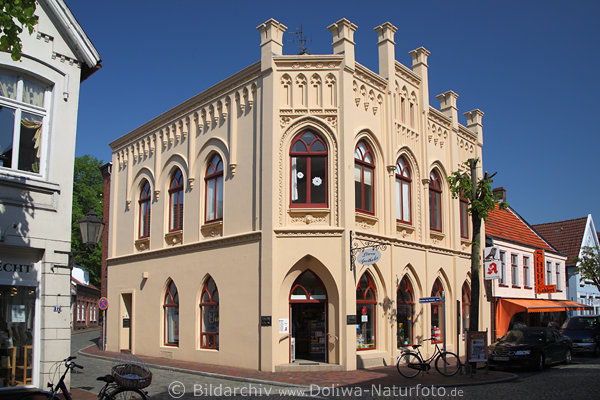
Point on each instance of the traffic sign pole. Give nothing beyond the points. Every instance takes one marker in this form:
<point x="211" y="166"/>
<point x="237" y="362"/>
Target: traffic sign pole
<point x="103" y="305"/>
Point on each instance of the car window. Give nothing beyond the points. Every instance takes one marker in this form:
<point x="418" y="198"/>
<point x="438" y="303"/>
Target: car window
<point x="580" y="323"/>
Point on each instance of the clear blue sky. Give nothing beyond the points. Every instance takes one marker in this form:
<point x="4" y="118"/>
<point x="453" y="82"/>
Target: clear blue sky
<point x="533" y="67"/>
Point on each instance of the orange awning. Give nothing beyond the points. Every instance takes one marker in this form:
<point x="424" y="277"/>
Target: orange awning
<point x="506" y="308"/>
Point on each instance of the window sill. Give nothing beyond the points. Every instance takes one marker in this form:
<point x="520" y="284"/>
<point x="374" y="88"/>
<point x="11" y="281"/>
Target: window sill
<point x="212" y="229"/>
<point x="173" y="238"/>
<point x="317" y="216"/>
<point x="142" y="244"/>
<point x="516" y="287"/>
<point x="527" y="287"/>
<point x="365" y="221"/>
<point x="21" y="180"/>
<point x="404" y="227"/>
<point x="502" y="285"/>
<point x="436" y="236"/>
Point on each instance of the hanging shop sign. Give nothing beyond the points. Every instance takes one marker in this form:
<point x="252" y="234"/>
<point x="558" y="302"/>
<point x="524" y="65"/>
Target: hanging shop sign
<point x="492" y="266"/>
<point x="368" y="256"/>
<point x="540" y="283"/>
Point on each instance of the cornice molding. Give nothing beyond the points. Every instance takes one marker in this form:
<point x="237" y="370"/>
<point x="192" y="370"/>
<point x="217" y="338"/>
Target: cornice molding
<point x="369" y="77"/>
<point x="406" y="73"/>
<point x="207" y="244"/>
<point x="392" y="241"/>
<point x="331" y="232"/>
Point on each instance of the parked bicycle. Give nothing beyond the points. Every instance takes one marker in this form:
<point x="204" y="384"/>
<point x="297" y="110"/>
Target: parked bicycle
<point x="411" y="362"/>
<point x="110" y="390"/>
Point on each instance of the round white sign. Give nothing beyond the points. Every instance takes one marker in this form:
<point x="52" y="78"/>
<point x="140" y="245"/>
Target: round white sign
<point x="368" y="256"/>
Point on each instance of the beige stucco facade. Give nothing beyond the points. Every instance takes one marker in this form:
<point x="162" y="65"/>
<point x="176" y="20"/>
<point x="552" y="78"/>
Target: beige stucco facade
<point x="264" y="241"/>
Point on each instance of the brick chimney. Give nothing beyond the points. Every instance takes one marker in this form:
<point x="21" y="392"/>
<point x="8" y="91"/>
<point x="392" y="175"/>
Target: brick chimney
<point x="499" y="193"/>
<point x="343" y="40"/>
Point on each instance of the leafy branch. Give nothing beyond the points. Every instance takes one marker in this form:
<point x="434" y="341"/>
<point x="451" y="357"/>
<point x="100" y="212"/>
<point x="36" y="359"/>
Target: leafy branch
<point x="14" y="16"/>
<point x="589" y="265"/>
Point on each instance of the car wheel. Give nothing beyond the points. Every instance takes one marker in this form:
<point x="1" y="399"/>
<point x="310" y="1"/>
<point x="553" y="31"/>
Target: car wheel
<point x="568" y="357"/>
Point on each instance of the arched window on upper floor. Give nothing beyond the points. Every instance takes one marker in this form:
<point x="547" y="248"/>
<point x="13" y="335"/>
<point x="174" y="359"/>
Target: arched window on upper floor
<point x="364" y="176"/>
<point x="435" y="201"/>
<point x="308" y="171"/>
<point x="176" y="201"/>
<point x="144" y="204"/>
<point x="403" y="191"/>
<point x="214" y="189"/>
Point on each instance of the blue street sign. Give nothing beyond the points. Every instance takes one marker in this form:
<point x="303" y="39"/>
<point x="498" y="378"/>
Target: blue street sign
<point x="435" y="299"/>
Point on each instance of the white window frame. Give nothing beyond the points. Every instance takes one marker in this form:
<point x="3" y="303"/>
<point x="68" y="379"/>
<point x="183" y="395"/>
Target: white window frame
<point x="548" y="274"/>
<point x="558" y="276"/>
<point x="503" y="268"/>
<point x="526" y="277"/>
<point x="19" y="107"/>
<point x="514" y="276"/>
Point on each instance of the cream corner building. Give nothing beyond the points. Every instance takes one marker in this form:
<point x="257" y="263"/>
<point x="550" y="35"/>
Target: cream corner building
<point x="231" y="214"/>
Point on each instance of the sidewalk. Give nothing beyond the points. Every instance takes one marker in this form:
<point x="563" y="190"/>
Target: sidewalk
<point x="384" y="376"/>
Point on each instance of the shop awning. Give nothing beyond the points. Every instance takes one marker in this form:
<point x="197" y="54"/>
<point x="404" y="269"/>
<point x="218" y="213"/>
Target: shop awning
<point x="506" y="308"/>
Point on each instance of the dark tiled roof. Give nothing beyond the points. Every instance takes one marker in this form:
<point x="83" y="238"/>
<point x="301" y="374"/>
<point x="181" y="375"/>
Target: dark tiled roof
<point x="507" y="224"/>
<point x="566" y="236"/>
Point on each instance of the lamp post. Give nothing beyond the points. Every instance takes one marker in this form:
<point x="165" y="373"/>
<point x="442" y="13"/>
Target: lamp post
<point x="90" y="227"/>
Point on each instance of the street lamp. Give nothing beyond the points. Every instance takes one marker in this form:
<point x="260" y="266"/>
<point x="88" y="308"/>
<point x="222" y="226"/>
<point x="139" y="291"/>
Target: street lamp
<point x="91" y="228"/>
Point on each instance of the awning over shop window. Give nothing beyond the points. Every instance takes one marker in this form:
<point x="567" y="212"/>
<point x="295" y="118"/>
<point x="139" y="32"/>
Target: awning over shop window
<point x="506" y="308"/>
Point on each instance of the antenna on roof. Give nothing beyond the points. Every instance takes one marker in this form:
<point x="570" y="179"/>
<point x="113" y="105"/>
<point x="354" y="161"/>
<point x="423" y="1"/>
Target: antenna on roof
<point x="301" y="40"/>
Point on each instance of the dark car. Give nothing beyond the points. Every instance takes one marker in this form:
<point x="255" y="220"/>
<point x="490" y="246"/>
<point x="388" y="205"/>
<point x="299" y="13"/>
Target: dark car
<point x="584" y="330"/>
<point x="530" y="347"/>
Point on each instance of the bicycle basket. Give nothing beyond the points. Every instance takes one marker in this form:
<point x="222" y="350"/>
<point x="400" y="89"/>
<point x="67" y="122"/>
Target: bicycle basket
<point x="130" y="372"/>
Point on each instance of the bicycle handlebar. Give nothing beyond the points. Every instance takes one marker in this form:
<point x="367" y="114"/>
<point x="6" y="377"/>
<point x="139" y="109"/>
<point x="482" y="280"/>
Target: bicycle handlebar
<point x="77" y="366"/>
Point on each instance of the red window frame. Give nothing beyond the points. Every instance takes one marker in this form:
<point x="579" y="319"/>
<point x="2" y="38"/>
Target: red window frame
<point x="308" y="291"/>
<point x="464" y="217"/>
<point x="404" y="175"/>
<point x="361" y="298"/>
<point x="405" y="296"/>
<point x="144" y="204"/>
<point x="211" y="302"/>
<point x="436" y="308"/>
<point x="309" y="154"/>
<point x="466" y="304"/>
<point x="214" y="171"/>
<point x="176" y="193"/>
<point x="365" y="165"/>
<point x="435" y="197"/>
<point x="171" y="300"/>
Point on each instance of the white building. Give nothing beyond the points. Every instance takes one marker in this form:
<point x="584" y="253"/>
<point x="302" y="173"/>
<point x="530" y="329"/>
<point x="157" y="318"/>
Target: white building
<point x="39" y="98"/>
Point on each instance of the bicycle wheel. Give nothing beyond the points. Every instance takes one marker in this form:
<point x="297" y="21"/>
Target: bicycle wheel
<point x="404" y="368"/>
<point x="447" y="363"/>
<point x="122" y="393"/>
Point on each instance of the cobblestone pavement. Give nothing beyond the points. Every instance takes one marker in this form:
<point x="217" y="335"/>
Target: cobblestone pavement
<point x="579" y="380"/>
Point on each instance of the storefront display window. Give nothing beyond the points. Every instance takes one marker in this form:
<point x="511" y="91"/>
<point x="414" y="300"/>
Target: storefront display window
<point x="17" y="314"/>
<point x="366" y="300"/>
<point x="406" y="311"/>
<point x="437" y="323"/>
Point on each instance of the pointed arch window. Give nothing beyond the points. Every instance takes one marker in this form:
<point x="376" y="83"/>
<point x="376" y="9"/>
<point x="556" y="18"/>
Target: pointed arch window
<point x="366" y="303"/>
<point x="405" y="299"/>
<point x="214" y="189"/>
<point x="437" y="322"/>
<point x="403" y="191"/>
<point x="364" y="168"/>
<point x="176" y="201"/>
<point x="435" y="201"/>
<point x="171" y="314"/>
<point x="464" y="216"/>
<point x="308" y="180"/>
<point x="144" y="202"/>
<point x="466" y="306"/>
<point x="209" y="320"/>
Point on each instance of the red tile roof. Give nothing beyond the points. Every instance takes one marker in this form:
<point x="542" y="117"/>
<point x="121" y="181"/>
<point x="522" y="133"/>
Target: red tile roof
<point x="566" y="236"/>
<point x="77" y="283"/>
<point x="507" y="224"/>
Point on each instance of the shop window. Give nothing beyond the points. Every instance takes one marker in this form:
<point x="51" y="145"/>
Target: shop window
<point x="209" y="321"/>
<point x="17" y="336"/>
<point x="364" y="167"/>
<point x="406" y="313"/>
<point x="403" y="191"/>
<point x="176" y="201"/>
<point x="437" y="322"/>
<point x="171" y="312"/>
<point x="366" y="303"/>
<point x="308" y="288"/>
<point x="144" y="201"/>
<point x="435" y="202"/>
<point x="308" y="177"/>
<point x="466" y="306"/>
<point x="214" y="189"/>
<point x="22" y="101"/>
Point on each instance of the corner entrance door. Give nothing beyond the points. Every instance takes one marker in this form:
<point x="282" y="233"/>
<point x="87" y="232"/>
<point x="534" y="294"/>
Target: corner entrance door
<point x="308" y="318"/>
<point x="125" y="319"/>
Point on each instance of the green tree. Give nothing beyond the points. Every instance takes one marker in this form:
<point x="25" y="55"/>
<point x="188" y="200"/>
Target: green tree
<point x="14" y="16"/>
<point x="87" y="193"/>
<point x="589" y="265"/>
<point x="481" y="201"/>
